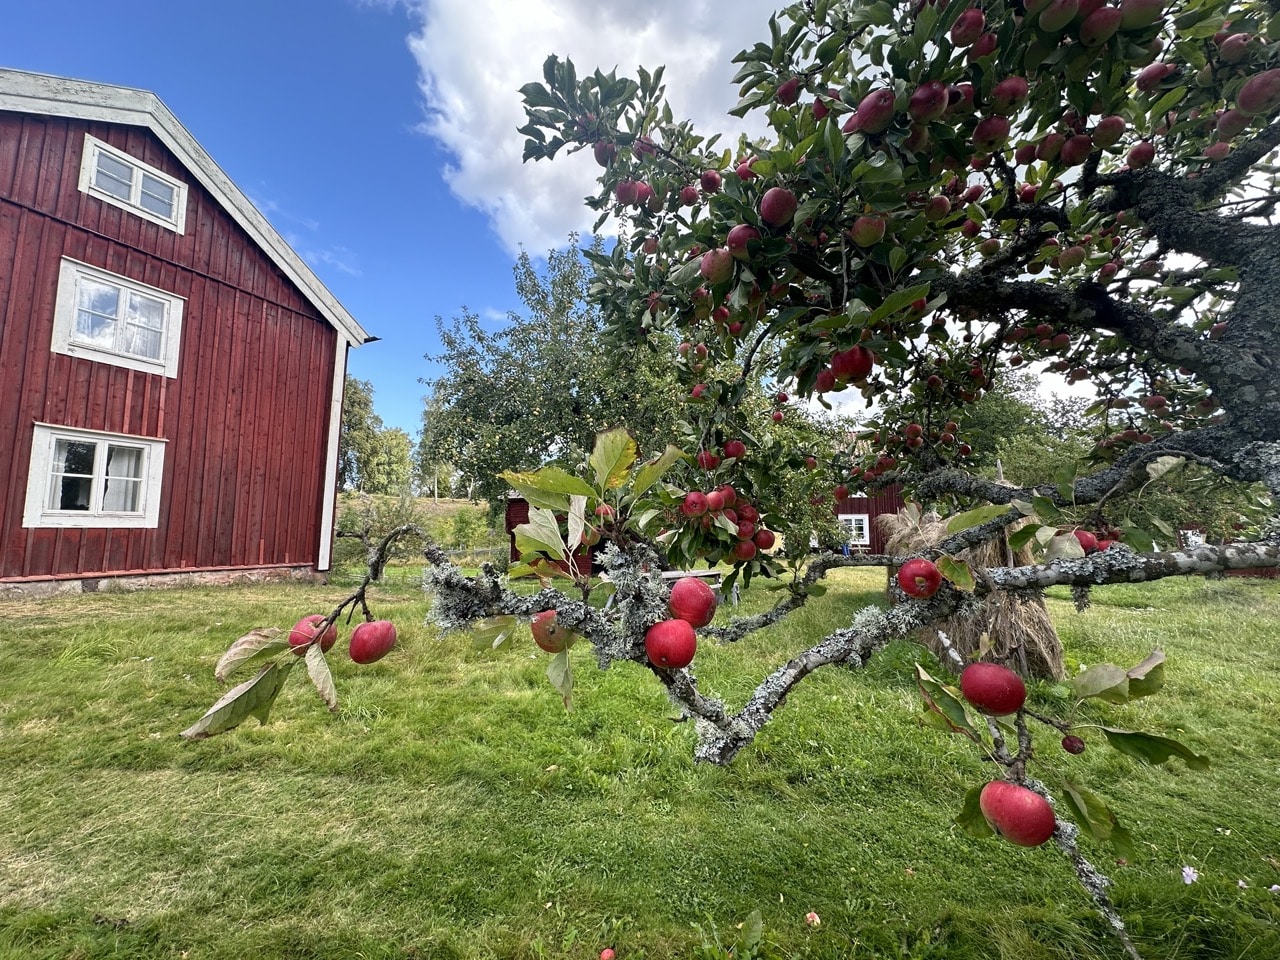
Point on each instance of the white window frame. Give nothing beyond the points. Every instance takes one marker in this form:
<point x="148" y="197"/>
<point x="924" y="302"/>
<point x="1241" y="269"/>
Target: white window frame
<point x="38" y="513"/>
<point x="851" y="523"/>
<point x="93" y="148"/>
<point x="66" y="306"/>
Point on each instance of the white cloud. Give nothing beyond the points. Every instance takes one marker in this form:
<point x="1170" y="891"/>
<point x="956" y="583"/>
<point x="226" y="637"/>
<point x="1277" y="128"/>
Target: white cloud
<point x="474" y="56"/>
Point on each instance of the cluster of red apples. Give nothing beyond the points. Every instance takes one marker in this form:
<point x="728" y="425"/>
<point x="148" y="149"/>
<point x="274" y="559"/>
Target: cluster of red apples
<point x="1017" y="813"/>
<point x="722" y="503"/>
<point x="671" y="644"/>
<point x="370" y="641"/>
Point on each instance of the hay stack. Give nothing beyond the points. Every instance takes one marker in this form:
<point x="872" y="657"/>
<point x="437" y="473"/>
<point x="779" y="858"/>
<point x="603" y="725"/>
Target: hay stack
<point x="1020" y="633"/>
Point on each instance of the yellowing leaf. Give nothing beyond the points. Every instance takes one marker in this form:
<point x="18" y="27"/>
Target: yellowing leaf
<point x="614" y="453"/>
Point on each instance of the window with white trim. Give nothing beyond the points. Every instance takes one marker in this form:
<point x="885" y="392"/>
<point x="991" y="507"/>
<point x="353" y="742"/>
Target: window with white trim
<point x="115" y="320"/>
<point x="857" y="527"/>
<point x="123" y="181"/>
<point x="87" y="478"/>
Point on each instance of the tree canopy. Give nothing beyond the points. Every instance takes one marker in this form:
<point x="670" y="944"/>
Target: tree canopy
<point x="371" y="458"/>
<point x="538" y="390"/>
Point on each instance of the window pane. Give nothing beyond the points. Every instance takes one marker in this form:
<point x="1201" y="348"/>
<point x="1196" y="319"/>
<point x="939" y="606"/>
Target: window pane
<point x="123" y="491"/>
<point x="146" y="311"/>
<point x="113" y="177"/>
<point x="157" y="196"/>
<point x="141" y="342"/>
<point x="71" y="482"/>
<point x="100" y="298"/>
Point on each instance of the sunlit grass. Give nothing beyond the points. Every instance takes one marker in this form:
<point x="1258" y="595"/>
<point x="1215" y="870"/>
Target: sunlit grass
<point x="452" y="808"/>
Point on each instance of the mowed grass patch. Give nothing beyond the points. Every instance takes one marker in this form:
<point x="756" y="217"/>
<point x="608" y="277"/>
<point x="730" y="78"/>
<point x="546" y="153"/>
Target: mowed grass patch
<point x="453" y="808"/>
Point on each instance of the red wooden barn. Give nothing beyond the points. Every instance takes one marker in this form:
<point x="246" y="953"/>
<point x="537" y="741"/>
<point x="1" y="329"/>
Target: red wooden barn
<point x="171" y="372"/>
<point x="858" y="514"/>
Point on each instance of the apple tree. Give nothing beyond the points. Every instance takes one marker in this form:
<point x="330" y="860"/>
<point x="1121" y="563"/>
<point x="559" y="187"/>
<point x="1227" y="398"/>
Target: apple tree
<point x="933" y="194"/>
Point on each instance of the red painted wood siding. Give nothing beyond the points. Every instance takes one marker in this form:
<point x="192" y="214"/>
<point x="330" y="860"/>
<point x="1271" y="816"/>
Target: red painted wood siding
<point x="246" y="419"/>
<point x="888" y="500"/>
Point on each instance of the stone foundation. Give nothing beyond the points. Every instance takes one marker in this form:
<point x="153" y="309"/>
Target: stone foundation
<point x="127" y="583"/>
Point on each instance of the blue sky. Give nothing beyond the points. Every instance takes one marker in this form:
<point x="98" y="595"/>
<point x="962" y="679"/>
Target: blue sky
<point x="378" y="136"/>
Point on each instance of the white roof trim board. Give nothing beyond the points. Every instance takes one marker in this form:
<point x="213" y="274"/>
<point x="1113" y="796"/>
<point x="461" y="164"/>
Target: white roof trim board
<point x="43" y="94"/>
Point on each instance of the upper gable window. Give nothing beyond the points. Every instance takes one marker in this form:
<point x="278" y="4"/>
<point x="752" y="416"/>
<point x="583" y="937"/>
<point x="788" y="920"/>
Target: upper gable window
<point x="115" y="177"/>
<point x="111" y="319"/>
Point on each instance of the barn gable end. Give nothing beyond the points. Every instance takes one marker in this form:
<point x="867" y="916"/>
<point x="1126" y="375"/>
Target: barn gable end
<point x="173" y="372"/>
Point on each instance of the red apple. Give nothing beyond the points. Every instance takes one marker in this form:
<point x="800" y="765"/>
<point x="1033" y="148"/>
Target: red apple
<point x="777" y="206"/>
<point x="1136" y="14"/>
<point x="1260" y="94"/>
<point x="1009" y="94"/>
<point x="1100" y="26"/>
<point x="744" y="550"/>
<point x="764" y="539"/>
<point x="928" y="102"/>
<point x="710" y="181"/>
<point x="788" y="91"/>
<point x="1087" y="540"/>
<point x="372" y="641"/>
<point x="670" y="644"/>
<point x="990" y="133"/>
<point x="993" y="688"/>
<point x="549" y="634"/>
<point x="1073" y="744"/>
<point x="304" y="631"/>
<point x="875" y="111"/>
<point x="604" y="152"/>
<point x="692" y="601"/>
<point x="867" y="231"/>
<point x="716" y="265"/>
<point x="739" y="236"/>
<point x="1019" y="815"/>
<point x="919" y="578"/>
<point x="1141" y="155"/>
<point x="694" y="505"/>
<point x="735" y="450"/>
<point x="853" y="364"/>
<point x="968" y="27"/>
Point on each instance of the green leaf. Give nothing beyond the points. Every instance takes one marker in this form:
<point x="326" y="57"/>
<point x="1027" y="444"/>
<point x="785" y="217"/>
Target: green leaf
<point x="652" y="472"/>
<point x="253" y="698"/>
<point x="1153" y="749"/>
<point x="1024" y="535"/>
<point x="975" y="517"/>
<point x="577" y="522"/>
<point x="321" y="678"/>
<point x="1063" y="547"/>
<point x="258" y="644"/>
<point x="1105" y="681"/>
<point x="1094" y="818"/>
<point x="613" y="456"/>
<point x="896" y="301"/>
<point x="494" y="633"/>
<point x="549" y="487"/>
<point x="541" y="535"/>
<point x="970" y="818"/>
<point x="946" y="705"/>
<point x="1148" y="676"/>
<point x="958" y="572"/>
<point x="561" y="677"/>
<point x="1045" y="508"/>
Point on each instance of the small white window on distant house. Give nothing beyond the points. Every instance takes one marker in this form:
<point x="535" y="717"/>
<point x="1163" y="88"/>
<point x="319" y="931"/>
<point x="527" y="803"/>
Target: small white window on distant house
<point x="86" y="478"/>
<point x="111" y="319"/>
<point x="116" y="178"/>
<point x="857" y="527"/>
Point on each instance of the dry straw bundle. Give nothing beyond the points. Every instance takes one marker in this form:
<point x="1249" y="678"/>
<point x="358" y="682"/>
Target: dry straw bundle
<point x="1013" y="630"/>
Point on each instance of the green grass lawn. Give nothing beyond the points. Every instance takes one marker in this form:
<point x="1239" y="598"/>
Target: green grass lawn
<point x="452" y="808"/>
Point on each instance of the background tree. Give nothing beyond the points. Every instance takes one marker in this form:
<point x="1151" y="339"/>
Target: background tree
<point x="371" y="458"/>
<point x="540" y="389"/>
